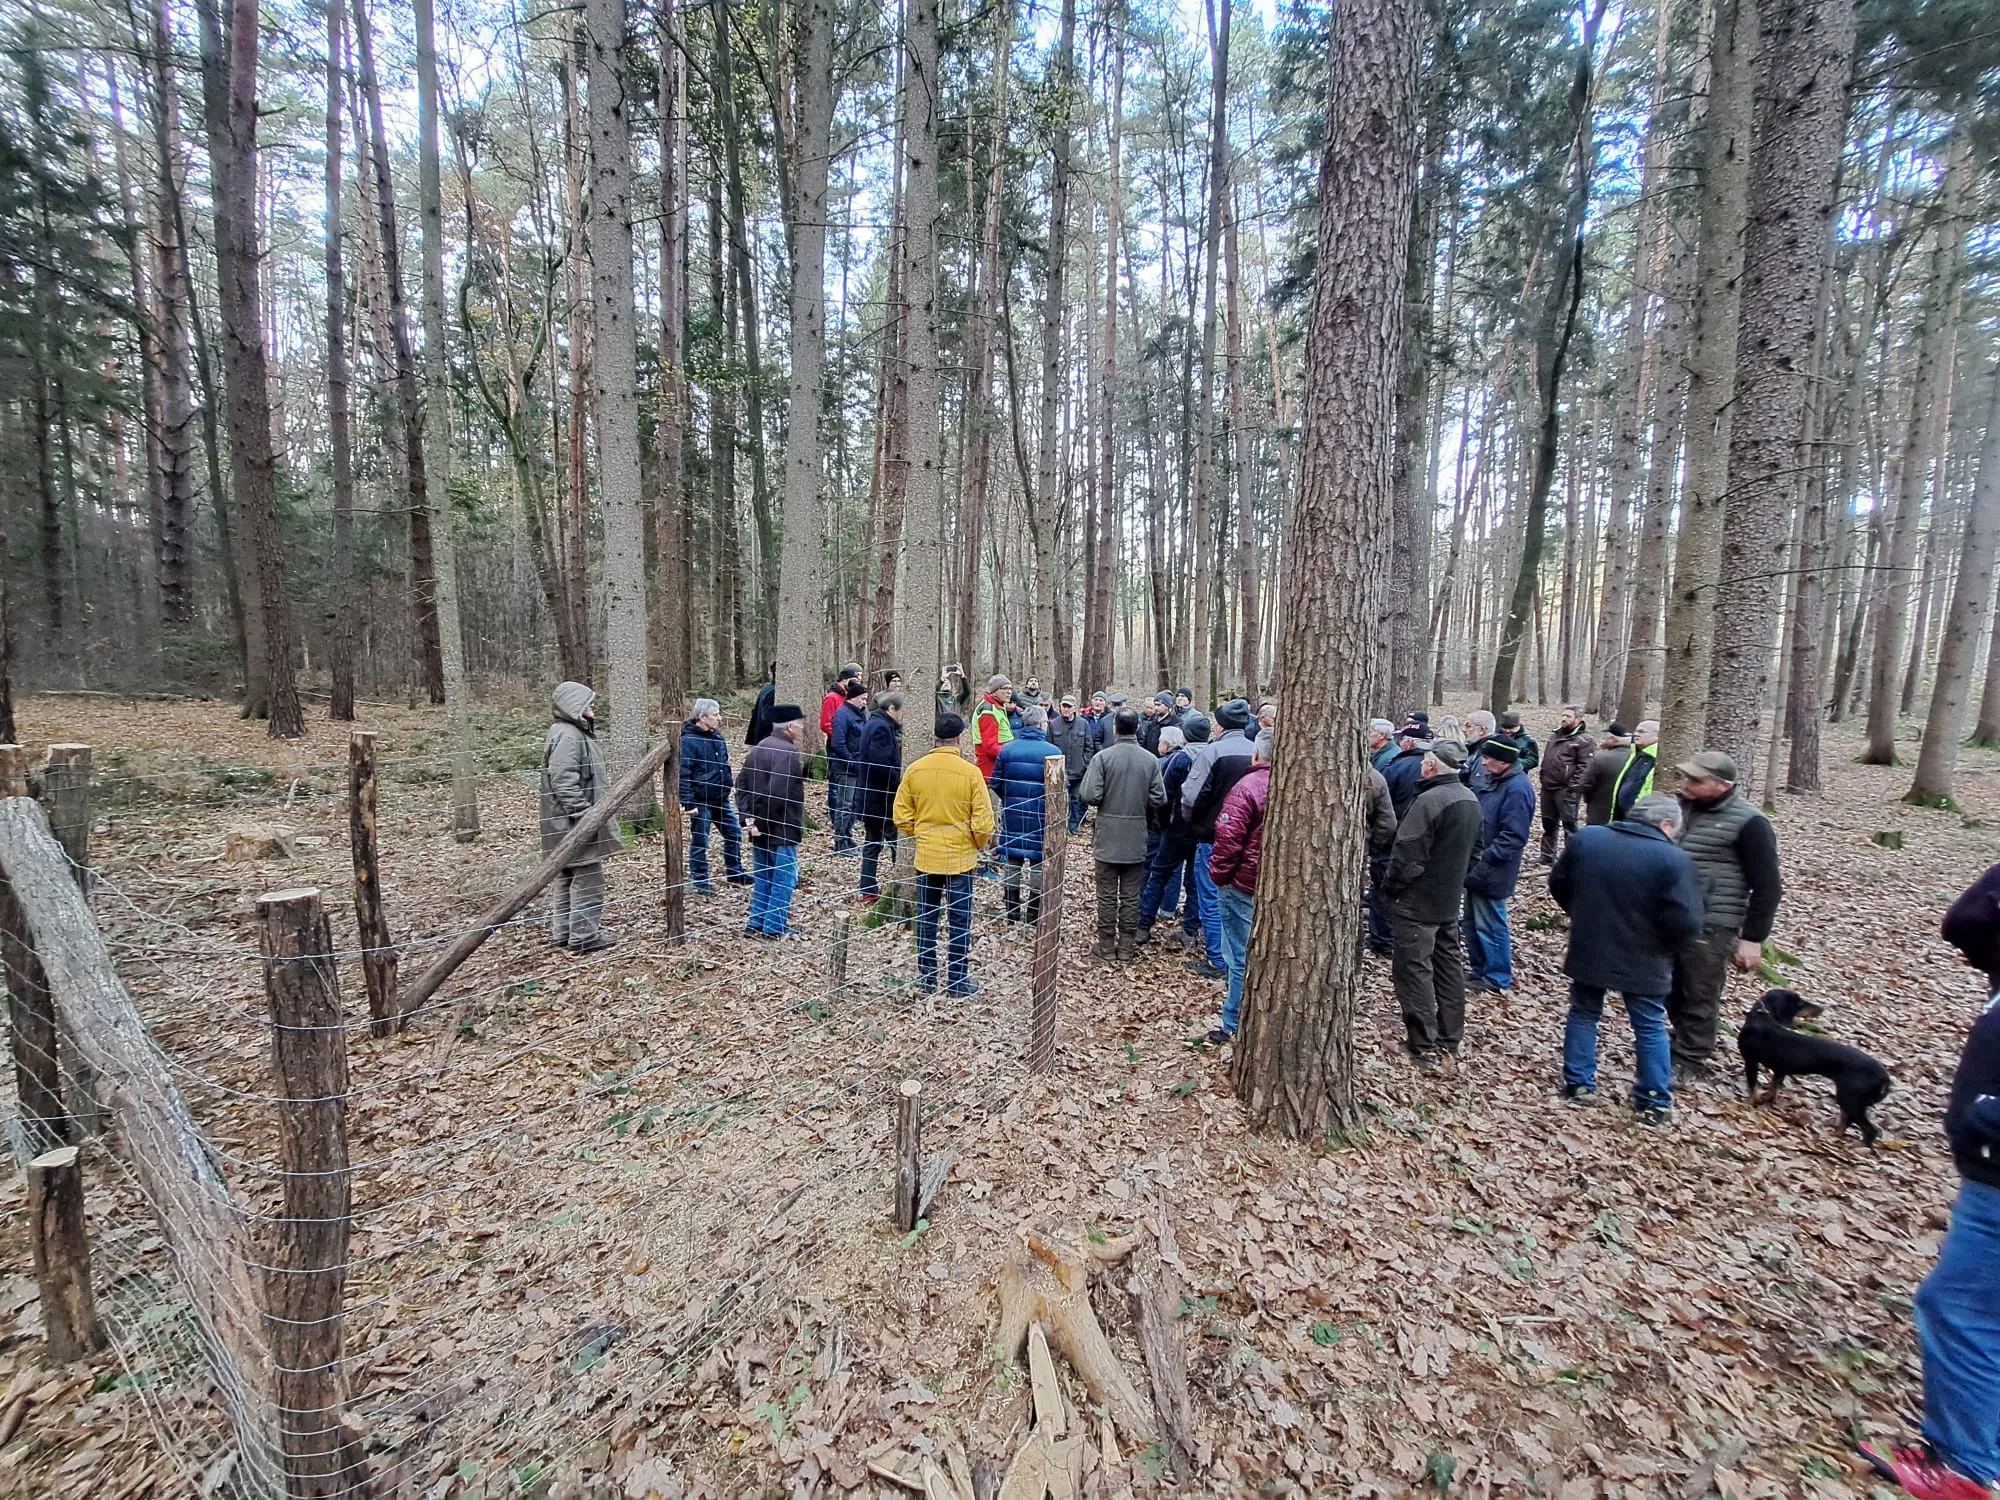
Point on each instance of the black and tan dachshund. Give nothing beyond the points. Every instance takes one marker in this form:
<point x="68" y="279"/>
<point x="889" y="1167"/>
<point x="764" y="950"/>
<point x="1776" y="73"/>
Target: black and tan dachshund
<point x="1767" y="1041"/>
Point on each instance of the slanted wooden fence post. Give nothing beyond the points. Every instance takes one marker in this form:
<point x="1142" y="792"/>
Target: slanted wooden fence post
<point x="303" y="1291"/>
<point x="378" y="953"/>
<point x="1048" y="931"/>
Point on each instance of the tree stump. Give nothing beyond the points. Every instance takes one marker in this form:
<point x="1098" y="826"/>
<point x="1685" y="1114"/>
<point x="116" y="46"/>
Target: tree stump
<point x="250" y="842"/>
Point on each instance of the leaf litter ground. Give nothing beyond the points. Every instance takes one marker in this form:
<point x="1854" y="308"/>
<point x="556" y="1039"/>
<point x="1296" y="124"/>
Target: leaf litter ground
<point x="621" y="1223"/>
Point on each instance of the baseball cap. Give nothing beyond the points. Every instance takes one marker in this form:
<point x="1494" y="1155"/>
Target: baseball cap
<point x="1711" y="765"/>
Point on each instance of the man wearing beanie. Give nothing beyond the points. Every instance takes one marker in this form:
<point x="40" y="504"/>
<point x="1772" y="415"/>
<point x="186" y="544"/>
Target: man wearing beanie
<point x="1124" y="784"/>
<point x="1601" y="775"/>
<point x="1209" y="780"/>
<point x="1958" y="1307"/>
<point x="944" y="807"/>
<point x="1507" y="813"/>
<point x="771" y="796"/>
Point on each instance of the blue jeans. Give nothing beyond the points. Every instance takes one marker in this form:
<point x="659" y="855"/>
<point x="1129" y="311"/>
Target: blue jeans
<point x="1958" y="1328"/>
<point x="1237" y="910"/>
<point x="773" y="875"/>
<point x="1653" y="1088"/>
<point x="1489" y="946"/>
<point x="721" y="817"/>
<point x="841" y="789"/>
<point x="1211" y="908"/>
<point x="954" y="894"/>
<point x="1162" y="891"/>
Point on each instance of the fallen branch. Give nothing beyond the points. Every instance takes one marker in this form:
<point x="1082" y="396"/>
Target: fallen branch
<point x="587" y="828"/>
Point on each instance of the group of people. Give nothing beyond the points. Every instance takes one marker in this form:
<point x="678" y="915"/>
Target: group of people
<point x="1665" y="894"/>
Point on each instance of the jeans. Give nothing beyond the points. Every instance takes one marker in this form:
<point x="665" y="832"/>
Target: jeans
<point x="875" y="839"/>
<point x="1429" y="973"/>
<point x="1211" y="909"/>
<point x="577" y="913"/>
<point x="1237" y="910"/>
<point x="1076" y="808"/>
<point x="773" y="875"/>
<point x="1379" y="938"/>
<point x="954" y="894"/>
<point x="1653" y="1087"/>
<point x="1701" y="974"/>
<point x="1162" y="890"/>
<point x="1489" y="946"/>
<point x="721" y="817"/>
<point x="841" y="789"/>
<point x="1958" y="1329"/>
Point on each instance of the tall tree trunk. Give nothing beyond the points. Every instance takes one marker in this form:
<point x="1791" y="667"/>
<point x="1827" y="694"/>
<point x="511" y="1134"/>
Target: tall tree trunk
<point x="728" y="620"/>
<point x="1044" y="499"/>
<point x="1201" y="529"/>
<point x="1972" y="593"/>
<point x="410" y="412"/>
<point x="1807" y="56"/>
<point x="437" y="438"/>
<point x="576" y="317"/>
<point x="1294" y="1063"/>
<point x="1246" y="524"/>
<point x="1100" y="629"/>
<point x="675" y="582"/>
<point x="229" y="67"/>
<point x="1932" y="339"/>
<point x="799" y="600"/>
<point x="341" y="603"/>
<point x="614" y="367"/>
<point x="925" y="647"/>
<point x="1723" y="205"/>
<point x="177" y="414"/>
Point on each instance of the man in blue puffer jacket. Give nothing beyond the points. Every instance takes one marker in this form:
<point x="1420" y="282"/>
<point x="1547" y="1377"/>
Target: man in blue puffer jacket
<point x="1507" y="808"/>
<point x="704" y="795"/>
<point x="1017" y="780"/>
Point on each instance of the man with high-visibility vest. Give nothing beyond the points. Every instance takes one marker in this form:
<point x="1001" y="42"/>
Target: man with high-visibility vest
<point x="991" y="723"/>
<point x="1635" y="780"/>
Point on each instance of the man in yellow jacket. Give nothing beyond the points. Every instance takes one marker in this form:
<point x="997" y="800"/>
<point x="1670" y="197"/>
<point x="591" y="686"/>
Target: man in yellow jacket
<point x="942" y="805"/>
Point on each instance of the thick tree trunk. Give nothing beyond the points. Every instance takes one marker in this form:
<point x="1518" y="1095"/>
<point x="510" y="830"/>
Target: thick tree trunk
<point x="925" y="646"/>
<point x="674" y="585"/>
<point x="341" y="605"/>
<point x="1099" y="629"/>
<point x="616" y="386"/>
<point x="1807" y="56"/>
<point x="1294" y="1067"/>
<point x="1971" y="596"/>
<point x="1044" y="499"/>
<point x="1932" y="339"/>
<point x="177" y="414"/>
<point x="799" y="600"/>
<point x="229" y="64"/>
<point x="1711" y="377"/>
<point x="1246" y="523"/>
<point x="1201" y="529"/>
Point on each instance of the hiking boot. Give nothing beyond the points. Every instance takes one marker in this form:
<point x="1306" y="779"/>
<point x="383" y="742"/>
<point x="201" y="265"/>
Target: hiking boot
<point x="1922" y="1473"/>
<point x="1427" y="1062"/>
<point x="963" y="991"/>
<point x="1579" y="1094"/>
<point x="1693" y="1075"/>
<point x="1127" y="949"/>
<point x="1219" y="1038"/>
<point x="1203" y="969"/>
<point x="594" y="945"/>
<point x="1654" y="1119"/>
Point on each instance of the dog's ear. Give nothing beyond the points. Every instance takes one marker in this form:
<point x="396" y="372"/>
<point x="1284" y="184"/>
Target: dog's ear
<point x="1781" y="1005"/>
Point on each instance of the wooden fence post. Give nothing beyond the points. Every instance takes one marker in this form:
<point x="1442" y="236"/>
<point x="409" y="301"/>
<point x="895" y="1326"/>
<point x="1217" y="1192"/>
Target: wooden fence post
<point x="66" y="795"/>
<point x="673" y="840"/>
<point x="843" y="934"/>
<point x="62" y="1255"/>
<point x="378" y="953"/>
<point x="302" y="1293"/>
<point x="909" y="1156"/>
<point x="1048" y="930"/>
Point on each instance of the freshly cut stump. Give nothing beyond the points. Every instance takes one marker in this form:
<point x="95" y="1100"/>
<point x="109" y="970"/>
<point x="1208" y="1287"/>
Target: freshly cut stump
<point x="1051" y="1288"/>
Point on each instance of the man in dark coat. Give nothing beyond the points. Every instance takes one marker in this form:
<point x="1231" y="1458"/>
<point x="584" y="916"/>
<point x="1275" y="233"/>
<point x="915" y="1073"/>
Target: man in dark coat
<point x="1404" y="770"/>
<point x="1381" y="840"/>
<point x="1074" y="735"/>
<point x="1958" y="1306"/>
<point x="771" y="795"/>
<point x="1507" y="806"/>
<point x="879" y="773"/>
<point x="1600" y="777"/>
<point x="704" y="795"/>
<point x="1633" y="900"/>
<point x="759" y="728"/>
<point x="843" y="751"/>
<point x="1564" y="764"/>
<point x="1124" y="785"/>
<point x="1170" y="848"/>
<point x="1425" y="884"/>
<point x="1512" y="731"/>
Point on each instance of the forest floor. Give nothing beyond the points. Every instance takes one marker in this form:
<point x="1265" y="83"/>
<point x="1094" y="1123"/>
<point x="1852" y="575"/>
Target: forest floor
<point x="622" y="1223"/>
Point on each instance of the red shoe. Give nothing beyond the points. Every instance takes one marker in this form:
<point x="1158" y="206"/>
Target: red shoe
<point x="870" y="900"/>
<point x="1923" y="1474"/>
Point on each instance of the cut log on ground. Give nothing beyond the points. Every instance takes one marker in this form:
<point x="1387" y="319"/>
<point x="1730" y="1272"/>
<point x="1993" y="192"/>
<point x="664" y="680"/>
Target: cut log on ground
<point x="1052" y="1289"/>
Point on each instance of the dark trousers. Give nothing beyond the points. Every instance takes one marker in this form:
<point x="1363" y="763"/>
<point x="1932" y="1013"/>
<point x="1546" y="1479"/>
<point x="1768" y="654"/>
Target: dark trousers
<point x="1694" y="1008"/>
<point x="1428" y="967"/>
<point x="1118" y="903"/>
<point x="1558" y="813"/>
<point x="954" y="894"/>
<point x="1380" y="939"/>
<point x="876" y="838"/>
<point x="1076" y="807"/>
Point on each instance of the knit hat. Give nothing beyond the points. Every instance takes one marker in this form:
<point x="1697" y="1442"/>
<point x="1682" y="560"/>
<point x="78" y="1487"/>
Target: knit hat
<point x="1164" y="698"/>
<point x="1616" y="731"/>
<point x="997" y="681"/>
<point x="1972" y="926"/>
<point x="1500" y="750"/>
<point x="786" y="713"/>
<point x="854" y="687"/>
<point x="1196" y="727"/>
<point x="1235" y="714"/>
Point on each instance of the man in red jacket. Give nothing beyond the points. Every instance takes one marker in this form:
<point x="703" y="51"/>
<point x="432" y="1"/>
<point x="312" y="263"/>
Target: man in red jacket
<point x="1232" y="864"/>
<point x="835" y="696"/>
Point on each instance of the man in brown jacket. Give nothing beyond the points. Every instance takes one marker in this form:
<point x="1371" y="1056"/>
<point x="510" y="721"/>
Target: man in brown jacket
<point x="1565" y="761"/>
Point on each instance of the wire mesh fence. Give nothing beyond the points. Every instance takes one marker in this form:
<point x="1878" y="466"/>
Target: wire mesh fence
<point x="576" y="1181"/>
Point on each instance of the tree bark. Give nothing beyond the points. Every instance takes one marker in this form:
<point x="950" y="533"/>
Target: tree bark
<point x="1294" y="1063"/>
<point x="1711" y="377"/>
<point x="1044" y="503"/>
<point x="341" y="604"/>
<point x="170" y="296"/>
<point x="229" y="66"/>
<point x="925" y="647"/>
<point x="1246" y="521"/>
<point x="1807" y="57"/>
<point x="1200" y="536"/>
<point x="1099" y="630"/>
<point x="674" y="585"/>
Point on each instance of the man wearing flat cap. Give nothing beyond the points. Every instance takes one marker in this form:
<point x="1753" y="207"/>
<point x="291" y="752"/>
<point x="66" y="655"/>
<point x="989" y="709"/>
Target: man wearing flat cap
<point x="1507" y="812"/>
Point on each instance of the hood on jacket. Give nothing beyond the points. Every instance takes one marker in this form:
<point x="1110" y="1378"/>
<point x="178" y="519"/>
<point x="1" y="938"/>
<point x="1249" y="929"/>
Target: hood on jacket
<point x="572" y="701"/>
